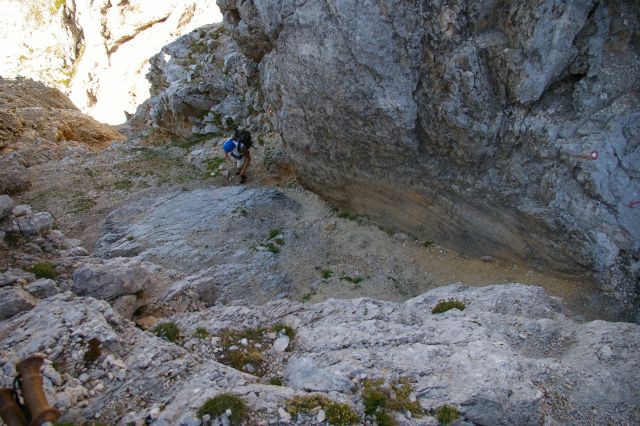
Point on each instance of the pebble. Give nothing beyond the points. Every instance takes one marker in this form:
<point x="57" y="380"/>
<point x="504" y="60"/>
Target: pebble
<point x="321" y="417"/>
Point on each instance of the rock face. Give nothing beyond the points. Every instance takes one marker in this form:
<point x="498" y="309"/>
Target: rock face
<point x="510" y="357"/>
<point x="97" y="52"/>
<point x="38" y="122"/>
<point x="497" y="129"/>
<point x="202" y="84"/>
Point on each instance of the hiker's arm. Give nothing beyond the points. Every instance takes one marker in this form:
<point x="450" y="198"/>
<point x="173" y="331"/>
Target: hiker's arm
<point x="247" y="161"/>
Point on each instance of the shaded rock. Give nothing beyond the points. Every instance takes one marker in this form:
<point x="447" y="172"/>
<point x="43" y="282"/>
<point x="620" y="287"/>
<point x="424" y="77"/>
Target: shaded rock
<point x="12" y="275"/>
<point x="14" y="300"/>
<point x="30" y="226"/>
<point x="13" y="176"/>
<point x="6" y="206"/>
<point x="42" y="288"/>
<point x="22" y="210"/>
<point x="114" y="278"/>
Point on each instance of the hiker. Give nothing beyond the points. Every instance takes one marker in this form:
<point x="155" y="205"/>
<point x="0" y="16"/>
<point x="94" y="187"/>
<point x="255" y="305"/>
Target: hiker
<point x="238" y="147"/>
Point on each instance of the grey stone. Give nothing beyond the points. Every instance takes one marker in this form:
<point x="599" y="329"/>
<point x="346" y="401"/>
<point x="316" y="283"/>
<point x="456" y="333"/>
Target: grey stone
<point x="31" y="226"/>
<point x="306" y="374"/>
<point x="6" y="206"/>
<point x="22" y="210"/>
<point x="281" y="344"/>
<point x="116" y="277"/>
<point x="12" y="275"/>
<point x="14" y="300"/>
<point x="42" y="288"/>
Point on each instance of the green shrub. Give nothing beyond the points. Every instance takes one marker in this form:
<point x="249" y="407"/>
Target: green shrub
<point x="326" y="274"/>
<point x="307" y="296"/>
<point x="445" y="305"/>
<point x="341" y="414"/>
<point x="168" y="331"/>
<point x="217" y="406"/>
<point x="447" y="414"/>
<point x="45" y="270"/>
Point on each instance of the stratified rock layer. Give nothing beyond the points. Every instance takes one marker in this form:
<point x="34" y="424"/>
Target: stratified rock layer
<point x="509" y="357"/>
<point x="506" y="129"/>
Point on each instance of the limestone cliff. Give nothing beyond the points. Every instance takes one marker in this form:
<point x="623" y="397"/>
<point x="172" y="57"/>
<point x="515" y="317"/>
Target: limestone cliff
<point x="498" y="128"/>
<point x="96" y="52"/>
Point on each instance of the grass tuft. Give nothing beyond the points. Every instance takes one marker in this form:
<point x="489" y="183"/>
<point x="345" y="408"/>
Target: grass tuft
<point x="168" y="331"/>
<point x="274" y="233"/>
<point x="447" y="414"/>
<point x="326" y="274"/>
<point x="304" y="404"/>
<point x="352" y="280"/>
<point x="201" y="333"/>
<point x="341" y="414"/>
<point x="45" y="270"/>
<point x="217" y="406"/>
<point x="445" y="305"/>
<point x="289" y="331"/>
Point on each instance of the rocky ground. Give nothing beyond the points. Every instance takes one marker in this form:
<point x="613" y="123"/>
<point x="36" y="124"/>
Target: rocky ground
<point x="153" y="282"/>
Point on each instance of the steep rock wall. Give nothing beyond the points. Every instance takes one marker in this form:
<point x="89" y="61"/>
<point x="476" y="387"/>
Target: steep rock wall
<point x="506" y="128"/>
<point x="96" y="52"/>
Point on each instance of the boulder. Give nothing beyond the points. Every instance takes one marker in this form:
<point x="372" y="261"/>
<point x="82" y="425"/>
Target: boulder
<point x="12" y="275"/>
<point x="14" y="300"/>
<point x="42" y="288"/>
<point x="31" y="226"/>
<point x="114" y="278"/>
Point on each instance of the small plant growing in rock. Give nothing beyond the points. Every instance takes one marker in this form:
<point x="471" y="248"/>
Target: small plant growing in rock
<point x="428" y="243"/>
<point x="304" y="404"/>
<point x="343" y="214"/>
<point x="447" y="414"/>
<point x="45" y="270"/>
<point x="272" y="248"/>
<point x="93" y="351"/>
<point x="275" y="381"/>
<point x="445" y="305"/>
<point x="326" y="274"/>
<point x="242" y="350"/>
<point x="217" y="406"/>
<point x="130" y="238"/>
<point x="307" y="296"/>
<point x="352" y="280"/>
<point x="378" y="399"/>
<point x="274" y="233"/>
<point x="341" y="414"/>
<point x="288" y="330"/>
<point x="168" y="331"/>
<point x="201" y="333"/>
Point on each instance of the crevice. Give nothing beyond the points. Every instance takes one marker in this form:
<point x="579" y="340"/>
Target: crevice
<point x="122" y="40"/>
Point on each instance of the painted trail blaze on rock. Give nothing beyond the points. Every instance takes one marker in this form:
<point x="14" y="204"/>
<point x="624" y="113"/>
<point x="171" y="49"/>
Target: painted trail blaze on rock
<point x="461" y="122"/>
